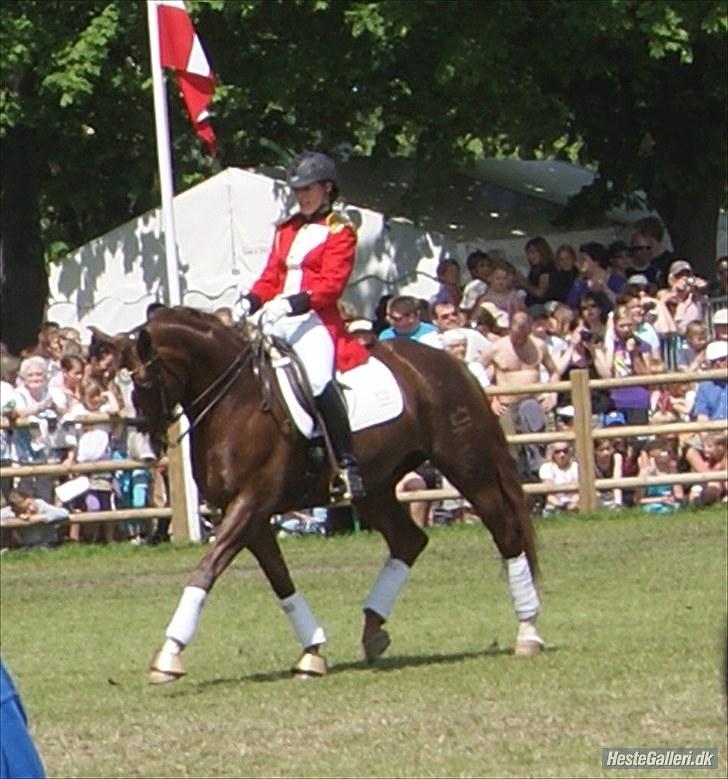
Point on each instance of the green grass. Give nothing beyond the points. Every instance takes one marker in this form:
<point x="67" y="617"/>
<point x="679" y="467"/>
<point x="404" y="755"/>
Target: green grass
<point x="634" y="620"/>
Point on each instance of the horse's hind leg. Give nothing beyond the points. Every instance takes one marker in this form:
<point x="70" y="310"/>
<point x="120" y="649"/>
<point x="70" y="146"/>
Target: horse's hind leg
<point x="405" y="542"/>
<point x="309" y="632"/>
<point x="486" y="475"/>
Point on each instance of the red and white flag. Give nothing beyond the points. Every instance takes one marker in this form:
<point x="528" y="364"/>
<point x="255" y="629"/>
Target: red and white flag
<point x="180" y="49"/>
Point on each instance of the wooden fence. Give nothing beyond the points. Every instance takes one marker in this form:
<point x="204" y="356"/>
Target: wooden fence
<point x="583" y="436"/>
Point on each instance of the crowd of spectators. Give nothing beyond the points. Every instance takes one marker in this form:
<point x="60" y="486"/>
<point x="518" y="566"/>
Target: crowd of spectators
<point x="48" y="394"/>
<point x="618" y="311"/>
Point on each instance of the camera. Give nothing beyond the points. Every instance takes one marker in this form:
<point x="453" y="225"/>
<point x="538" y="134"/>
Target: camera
<point x="586" y="336"/>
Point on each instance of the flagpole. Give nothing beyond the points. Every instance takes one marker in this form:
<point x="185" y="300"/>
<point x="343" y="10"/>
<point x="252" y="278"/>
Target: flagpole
<point x="188" y="496"/>
<point x="164" y="157"/>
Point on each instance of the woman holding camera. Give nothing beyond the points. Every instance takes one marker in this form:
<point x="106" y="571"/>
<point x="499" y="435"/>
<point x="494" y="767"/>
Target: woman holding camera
<point x="681" y="300"/>
<point x="626" y="355"/>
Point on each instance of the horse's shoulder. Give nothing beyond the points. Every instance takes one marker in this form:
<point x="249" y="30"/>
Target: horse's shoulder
<point x="336" y="222"/>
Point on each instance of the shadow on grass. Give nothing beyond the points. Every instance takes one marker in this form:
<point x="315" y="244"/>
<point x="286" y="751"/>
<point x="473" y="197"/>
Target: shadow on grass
<point x="382" y="665"/>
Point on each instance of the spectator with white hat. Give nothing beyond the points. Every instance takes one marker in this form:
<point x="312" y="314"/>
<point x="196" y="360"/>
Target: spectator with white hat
<point x="720" y="324"/>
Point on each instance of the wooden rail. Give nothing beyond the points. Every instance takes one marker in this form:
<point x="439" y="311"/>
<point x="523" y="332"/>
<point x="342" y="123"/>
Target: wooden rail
<point x="583" y="436"/>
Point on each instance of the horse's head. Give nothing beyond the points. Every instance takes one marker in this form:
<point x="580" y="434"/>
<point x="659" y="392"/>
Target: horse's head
<point x="135" y="353"/>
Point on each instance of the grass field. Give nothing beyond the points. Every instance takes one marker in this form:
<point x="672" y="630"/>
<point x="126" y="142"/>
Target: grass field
<point x="634" y="620"/>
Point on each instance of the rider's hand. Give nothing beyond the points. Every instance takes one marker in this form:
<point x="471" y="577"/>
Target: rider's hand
<point x="242" y="308"/>
<point x="275" y="309"/>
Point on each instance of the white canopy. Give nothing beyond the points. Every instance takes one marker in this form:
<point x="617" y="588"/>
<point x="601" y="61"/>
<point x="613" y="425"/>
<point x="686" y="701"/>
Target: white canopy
<point x="224" y="230"/>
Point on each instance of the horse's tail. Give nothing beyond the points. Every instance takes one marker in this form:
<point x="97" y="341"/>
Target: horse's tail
<point x="515" y="501"/>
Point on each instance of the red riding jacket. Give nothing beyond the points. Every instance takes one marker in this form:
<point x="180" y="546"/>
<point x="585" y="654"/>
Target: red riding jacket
<point x="310" y="263"/>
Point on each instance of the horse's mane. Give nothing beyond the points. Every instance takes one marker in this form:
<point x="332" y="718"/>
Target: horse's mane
<point x="197" y="320"/>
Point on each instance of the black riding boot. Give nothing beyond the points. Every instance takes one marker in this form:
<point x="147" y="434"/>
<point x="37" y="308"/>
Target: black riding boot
<point x="331" y="407"/>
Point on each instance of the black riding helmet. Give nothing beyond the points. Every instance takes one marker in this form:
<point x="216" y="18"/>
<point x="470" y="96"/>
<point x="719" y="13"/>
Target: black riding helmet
<point x="309" y="167"/>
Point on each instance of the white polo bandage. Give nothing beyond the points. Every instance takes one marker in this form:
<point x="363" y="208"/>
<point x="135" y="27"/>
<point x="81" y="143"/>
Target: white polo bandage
<point x="525" y="598"/>
<point x="303" y="622"/>
<point x="391" y="580"/>
<point x="184" y="622"/>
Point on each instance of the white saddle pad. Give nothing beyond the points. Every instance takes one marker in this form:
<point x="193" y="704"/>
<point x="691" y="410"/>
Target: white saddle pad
<point x="371" y="392"/>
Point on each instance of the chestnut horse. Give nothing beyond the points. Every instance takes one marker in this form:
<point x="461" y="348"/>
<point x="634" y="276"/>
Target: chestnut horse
<point x="250" y="461"/>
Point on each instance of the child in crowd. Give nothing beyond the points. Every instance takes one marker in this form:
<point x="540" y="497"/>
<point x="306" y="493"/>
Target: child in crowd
<point x="608" y="464"/>
<point x="715" y="448"/>
<point x="691" y="355"/>
<point x="22" y="505"/>
<point x="94" y="444"/>
<point x="659" y="498"/>
<point x="502" y="291"/>
<point x="560" y="468"/>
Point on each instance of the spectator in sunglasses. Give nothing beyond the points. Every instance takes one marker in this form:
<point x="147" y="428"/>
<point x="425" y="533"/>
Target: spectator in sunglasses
<point x="649" y="258"/>
<point x="595" y="264"/>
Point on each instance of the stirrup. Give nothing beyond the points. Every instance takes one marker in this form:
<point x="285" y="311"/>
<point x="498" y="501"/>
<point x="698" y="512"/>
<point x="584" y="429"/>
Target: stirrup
<point x="347" y="485"/>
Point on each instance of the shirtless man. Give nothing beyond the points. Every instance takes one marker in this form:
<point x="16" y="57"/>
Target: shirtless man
<point x="514" y="360"/>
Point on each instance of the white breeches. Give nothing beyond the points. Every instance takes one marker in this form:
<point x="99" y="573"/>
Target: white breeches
<point x="312" y="343"/>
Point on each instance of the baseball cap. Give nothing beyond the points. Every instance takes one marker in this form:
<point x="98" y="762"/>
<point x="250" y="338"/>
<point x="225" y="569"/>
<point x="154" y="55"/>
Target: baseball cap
<point x="716" y="350"/>
<point x="721" y="317"/>
<point x="639" y="279"/>
<point x="614" y="418"/>
<point x="565" y="411"/>
<point x="679" y="266"/>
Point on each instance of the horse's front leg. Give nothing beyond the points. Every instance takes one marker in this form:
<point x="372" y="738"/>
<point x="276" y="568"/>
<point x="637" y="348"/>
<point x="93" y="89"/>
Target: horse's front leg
<point x="309" y="632"/>
<point x="234" y="533"/>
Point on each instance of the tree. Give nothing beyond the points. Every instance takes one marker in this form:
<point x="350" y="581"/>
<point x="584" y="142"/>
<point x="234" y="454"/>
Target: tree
<point x="635" y="89"/>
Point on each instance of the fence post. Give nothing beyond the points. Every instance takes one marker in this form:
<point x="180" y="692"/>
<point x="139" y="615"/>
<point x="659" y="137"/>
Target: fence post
<point x="584" y="447"/>
<point x="183" y="500"/>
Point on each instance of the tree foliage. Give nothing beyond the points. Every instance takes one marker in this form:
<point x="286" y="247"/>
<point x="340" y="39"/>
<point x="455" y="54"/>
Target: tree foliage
<point x="635" y="89"/>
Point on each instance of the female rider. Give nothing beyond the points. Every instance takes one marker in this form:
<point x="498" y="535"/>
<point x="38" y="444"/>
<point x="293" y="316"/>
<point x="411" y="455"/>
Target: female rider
<point x="309" y="264"/>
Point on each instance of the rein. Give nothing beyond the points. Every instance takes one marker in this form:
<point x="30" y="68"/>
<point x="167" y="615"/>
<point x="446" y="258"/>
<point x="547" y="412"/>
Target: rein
<point x="227" y="378"/>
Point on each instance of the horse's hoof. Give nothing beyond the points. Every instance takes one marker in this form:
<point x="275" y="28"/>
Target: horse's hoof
<point x="310" y="666"/>
<point x="165" y="667"/>
<point x="528" y="648"/>
<point x="528" y="641"/>
<point x="376" y="645"/>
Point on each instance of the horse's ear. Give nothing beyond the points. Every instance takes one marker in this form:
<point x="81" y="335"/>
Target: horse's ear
<point x="100" y="338"/>
<point x="144" y="347"/>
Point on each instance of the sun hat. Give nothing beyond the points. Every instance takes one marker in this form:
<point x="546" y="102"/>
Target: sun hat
<point x="500" y="316"/>
<point x="716" y="350"/>
<point x="359" y="325"/>
<point x="721" y="317"/>
<point x="454" y="336"/>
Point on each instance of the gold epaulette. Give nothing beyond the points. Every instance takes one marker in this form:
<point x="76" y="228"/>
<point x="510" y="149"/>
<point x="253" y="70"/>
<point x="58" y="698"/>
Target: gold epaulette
<point x="337" y="221"/>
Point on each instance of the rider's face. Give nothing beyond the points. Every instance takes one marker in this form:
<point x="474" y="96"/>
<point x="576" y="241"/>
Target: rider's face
<point x="312" y="197"/>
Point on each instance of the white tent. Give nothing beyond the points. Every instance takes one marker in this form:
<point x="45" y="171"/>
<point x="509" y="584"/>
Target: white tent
<point x="224" y="230"/>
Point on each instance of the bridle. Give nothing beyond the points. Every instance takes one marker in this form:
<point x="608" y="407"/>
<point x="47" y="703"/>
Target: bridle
<point x="217" y="388"/>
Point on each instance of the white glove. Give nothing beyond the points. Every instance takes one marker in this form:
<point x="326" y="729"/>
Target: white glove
<point x="274" y="310"/>
<point x="241" y="309"/>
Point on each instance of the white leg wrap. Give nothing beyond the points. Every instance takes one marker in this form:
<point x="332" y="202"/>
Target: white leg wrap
<point x="390" y="581"/>
<point x="184" y="622"/>
<point x="525" y="598"/>
<point x="302" y="620"/>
